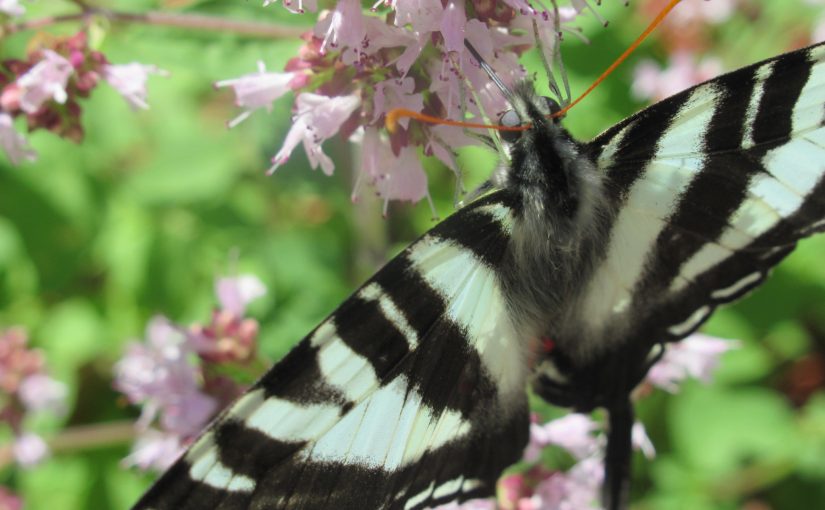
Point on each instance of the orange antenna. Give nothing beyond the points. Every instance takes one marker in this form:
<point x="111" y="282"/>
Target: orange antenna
<point x="630" y="49"/>
<point x="398" y="113"/>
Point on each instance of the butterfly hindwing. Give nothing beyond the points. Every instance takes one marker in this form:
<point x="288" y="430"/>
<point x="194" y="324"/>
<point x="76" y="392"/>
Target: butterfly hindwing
<point x="409" y="395"/>
<point x="714" y="186"/>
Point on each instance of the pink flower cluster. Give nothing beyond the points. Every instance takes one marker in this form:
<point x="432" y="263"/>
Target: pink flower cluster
<point x="686" y="35"/>
<point x="26" y="389"/>
<point x="11" y="8"/>
<point x="174" y="373"/>
<point x="9" y="500"/>
<point x="47" y="87"/>
<point x="355" y="67"/>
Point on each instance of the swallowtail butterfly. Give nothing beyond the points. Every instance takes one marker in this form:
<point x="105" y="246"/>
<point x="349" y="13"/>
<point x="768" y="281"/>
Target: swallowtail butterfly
<point x="412" y="393"/>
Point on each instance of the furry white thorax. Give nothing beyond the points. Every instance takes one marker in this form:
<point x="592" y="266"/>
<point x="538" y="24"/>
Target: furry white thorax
<point x="552" y="254"/>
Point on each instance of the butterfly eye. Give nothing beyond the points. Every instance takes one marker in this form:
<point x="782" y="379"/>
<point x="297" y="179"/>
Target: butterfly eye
<point x="510" y="119"/>
<point x="551" y="105"/>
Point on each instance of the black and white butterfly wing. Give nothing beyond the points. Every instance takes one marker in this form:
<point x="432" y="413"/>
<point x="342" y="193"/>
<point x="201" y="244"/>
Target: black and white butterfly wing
<point x="711" y="187"/>
<point x="411" y="394"/>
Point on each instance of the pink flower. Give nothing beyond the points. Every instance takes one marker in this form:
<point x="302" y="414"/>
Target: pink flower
<point x="577" y="489"/>
<point x="17" y="361"/>
<point x="9" y="500"/>
<point x="344" y="28"/>
<point x="421" y="15"/>
<point x="257" y="90"/>
<point x="130" y="81"/>
<point x="39" y="392"/>
<point x="818" y="31"/>
<point x="12" y="8"/>
<point x="453" y="25"/>
<point x="573" y="432"/>
<point x="29" y="449"/>
<point x="229" y="336"/>
<point x="395" y="178"/>
<point x="44" y="82"/>
<point x="651" y="82"/>
<point x="316" y="119"/>
<point x="14" y="144"/>
<point x="696" y="356"/>
<point x="159" y="375"/>
<point x="396" y="93"/>
<point x="155" y="450"/>
<point x="296" y="6"/>
<point x="641" y="441"/>
<point x="356" y="67"/>
<point x="692" y="13"/>
<point x="236" y="292"/>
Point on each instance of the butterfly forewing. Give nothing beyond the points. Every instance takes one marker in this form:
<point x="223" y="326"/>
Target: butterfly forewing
<point x="410" y="394"/>
<point x="714" y="186"/>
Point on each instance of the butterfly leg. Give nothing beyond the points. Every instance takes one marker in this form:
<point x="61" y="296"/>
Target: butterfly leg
<point x="617" y="458"/>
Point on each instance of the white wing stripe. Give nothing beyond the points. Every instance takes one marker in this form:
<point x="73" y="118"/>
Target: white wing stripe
<point x="809" y="110"/>
<point x="392" y="313"/>
<point x="501" y="213"/>
<point x="651" y="198"/>
<point x="206" y="468"/>
<point x="347" y="371"/>
<point x="691" y="322"/>
<point x="476" y="304"/>
<point x="737" y="287"/>
<point x="447" y="488"/>
<point x="420" y="497"/>
<point x="363" y="436"/>
<point x="762" y="74"/>
<point x="287" y="421"/>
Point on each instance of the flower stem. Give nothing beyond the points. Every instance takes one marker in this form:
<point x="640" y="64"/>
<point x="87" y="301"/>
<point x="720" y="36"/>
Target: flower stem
<point x="81" y="437"/>
<point x="178" y="20"/>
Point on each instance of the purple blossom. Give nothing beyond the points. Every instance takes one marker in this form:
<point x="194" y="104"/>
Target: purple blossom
<point x="316" y="119"/>
<point x="39" y="392"/>
<point x="257" y="90"/>
<point x="9" y="500"/>
<point x="29" y="449"/>
<point x="229" y="336"/>
<point x="394" y="178"/>
<point x="296" y="6"/>
<point x="397" y="92"/>
<point x="344" y="28"/>
<point x="414" y="58"/>
<point x="15" y="145"/>
<point x="573" y="432"/>
<point x="689" y="14"/>
<point x="651" y="82"/>
<point x="453" y="25"/>
<point x="696" y="356"/>
<point x="155" y="450"/>
<point x="641" y="441"/>
<point x="234" y="293"/>
<point x="44" y="82"/>
<point x="160" y="375"/>
<point x="577" y="489"/>
<point x="130" y="81"/>
<point x="14" y="9"/>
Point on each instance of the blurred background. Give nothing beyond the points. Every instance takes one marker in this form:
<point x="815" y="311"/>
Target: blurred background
<point x="142" y="216"/>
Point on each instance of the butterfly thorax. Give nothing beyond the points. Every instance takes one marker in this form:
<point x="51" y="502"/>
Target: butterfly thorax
<point x="561" y="226"/>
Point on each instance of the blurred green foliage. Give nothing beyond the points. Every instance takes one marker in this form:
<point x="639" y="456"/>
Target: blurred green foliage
<point x="142" y="216"/>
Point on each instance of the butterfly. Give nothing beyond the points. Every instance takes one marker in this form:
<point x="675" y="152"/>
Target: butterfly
<point x="413" y="392"/>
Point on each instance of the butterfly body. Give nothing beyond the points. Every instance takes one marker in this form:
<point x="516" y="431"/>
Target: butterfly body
<point x="412" y="393"/>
